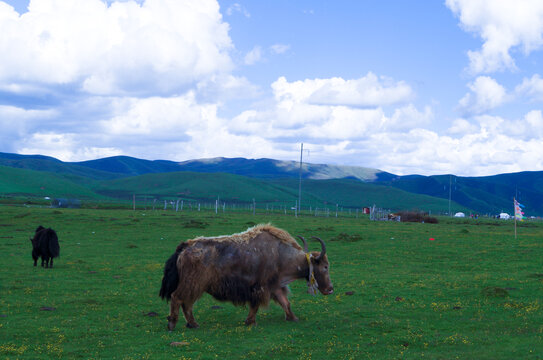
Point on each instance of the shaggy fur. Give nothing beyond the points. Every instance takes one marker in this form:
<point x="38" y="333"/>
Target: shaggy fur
<point x="251" y="233"/>
<point x="45" y="245"/>
<point x="246" y="268"/>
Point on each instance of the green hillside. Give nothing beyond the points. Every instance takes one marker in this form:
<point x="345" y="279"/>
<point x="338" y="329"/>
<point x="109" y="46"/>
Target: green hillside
<point x="491" y="194"/>
<point x="353" y="193"/>
<point x="23" y="182"/>
<point x="233" y="188"/>
<point x="40" y="163"/>
<point x="191" y="185"/>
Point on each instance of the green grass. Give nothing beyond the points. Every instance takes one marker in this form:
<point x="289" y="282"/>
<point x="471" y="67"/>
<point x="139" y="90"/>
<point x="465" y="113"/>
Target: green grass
<point x="473" y="293"/>
<point x="42" y="183"/>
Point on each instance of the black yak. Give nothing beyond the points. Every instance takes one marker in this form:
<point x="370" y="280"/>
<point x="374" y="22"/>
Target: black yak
<point x="251" y="267"/>
<point x="45" y="244"/>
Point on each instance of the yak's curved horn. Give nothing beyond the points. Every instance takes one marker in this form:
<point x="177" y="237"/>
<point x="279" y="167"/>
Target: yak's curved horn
<point x="323" y="252"/>
<point x="305" y="244"/>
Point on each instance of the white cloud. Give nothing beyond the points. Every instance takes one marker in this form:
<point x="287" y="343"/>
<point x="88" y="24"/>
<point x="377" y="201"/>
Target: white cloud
<point x="225" y="87"/>
<point x="504" y="26"/>
<point x="253" y="56"/>
<point x="531" y="88"/>
<point x="296" y="114"/>
<point x="369" y="90"/>
<point x="158" y="46"/>
<point x="462" y="127"/>
<point x="279" y="48"/>
<point x="157" y="118"/>
<point x="486" y="94"/>
<point x="236" y="7"/>
<point x="67" y="147"/>
<point x="15" y="121"/>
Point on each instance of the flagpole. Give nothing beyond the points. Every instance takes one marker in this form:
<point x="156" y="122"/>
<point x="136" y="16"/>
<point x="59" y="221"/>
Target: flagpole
<point x="515" y="212"/>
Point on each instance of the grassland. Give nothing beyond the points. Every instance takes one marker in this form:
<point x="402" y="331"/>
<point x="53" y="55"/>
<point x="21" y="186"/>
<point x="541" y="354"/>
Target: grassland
<point x="472" y="293"/>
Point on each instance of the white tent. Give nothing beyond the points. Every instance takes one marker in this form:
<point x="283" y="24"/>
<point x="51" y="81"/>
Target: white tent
<point x="505" y="216"/>
<point x="459" y="214"/>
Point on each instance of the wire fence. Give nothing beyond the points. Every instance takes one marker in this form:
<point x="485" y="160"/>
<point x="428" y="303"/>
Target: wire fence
<point x="173" y="204"/>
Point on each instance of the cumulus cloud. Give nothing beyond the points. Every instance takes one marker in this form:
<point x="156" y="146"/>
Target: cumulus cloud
<point x="369" y="90"/>
<point x="156" y="46"/>
<point x="504" y="27"/>
<point x="531" y="88"/>
<point x="486" y="94"/>
<point x="298" y="113"/>
<point x="225" y="87"/>
<point x="461" y="126"/>
<point x="16" y="122"/>
<point x="68" y="147"/>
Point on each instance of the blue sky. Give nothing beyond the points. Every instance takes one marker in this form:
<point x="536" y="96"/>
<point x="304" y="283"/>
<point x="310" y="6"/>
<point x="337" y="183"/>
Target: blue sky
<point x="426" y="87"/>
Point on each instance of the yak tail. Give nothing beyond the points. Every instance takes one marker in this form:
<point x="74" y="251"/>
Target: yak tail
<point x="170" y="280"/>
<point x="54" y="247"/>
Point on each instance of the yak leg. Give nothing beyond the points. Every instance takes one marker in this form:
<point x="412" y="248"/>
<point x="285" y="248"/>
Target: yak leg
<point x="280" y="296"/>
<point x="251" y="318"/>
<point x="174" y="312"/>
<point x="51" y="265"/>
<point x="187" y="312"/>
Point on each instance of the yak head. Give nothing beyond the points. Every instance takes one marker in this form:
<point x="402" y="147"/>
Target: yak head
<point x="321" y="267"/>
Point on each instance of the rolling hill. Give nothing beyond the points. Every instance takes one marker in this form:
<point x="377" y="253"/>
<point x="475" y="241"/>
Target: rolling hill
<point x="242" y="180"/>
<point x="488" y="194"/>
<point x="124" y="166"/>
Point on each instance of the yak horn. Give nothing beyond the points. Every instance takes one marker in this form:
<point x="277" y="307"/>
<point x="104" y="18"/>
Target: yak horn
<point x="323" y="252"/>
<point x="305" y="244"/>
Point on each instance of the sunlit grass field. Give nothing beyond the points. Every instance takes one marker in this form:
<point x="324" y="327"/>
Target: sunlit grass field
<point x="474" y="292"/>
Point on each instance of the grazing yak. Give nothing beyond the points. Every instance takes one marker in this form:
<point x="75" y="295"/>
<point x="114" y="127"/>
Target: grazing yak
<point x="45" y="244"/>
<point x="245" y="268"/>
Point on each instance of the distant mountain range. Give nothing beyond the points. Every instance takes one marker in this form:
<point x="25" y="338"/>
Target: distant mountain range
<point x="488" y="195"/>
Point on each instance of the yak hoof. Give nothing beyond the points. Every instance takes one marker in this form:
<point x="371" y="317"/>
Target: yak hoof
<point x="192" y="326"/>
<point x="171" y="324"/>
<point x="250" y="322"/>
<point x="294" y="318"/>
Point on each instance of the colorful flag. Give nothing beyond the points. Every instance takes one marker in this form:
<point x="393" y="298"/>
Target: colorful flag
<point x="519" y="215"/>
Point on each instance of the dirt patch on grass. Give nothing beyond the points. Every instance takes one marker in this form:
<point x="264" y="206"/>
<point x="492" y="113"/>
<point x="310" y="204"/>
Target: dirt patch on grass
<point x="495" y="292"/>
<point x="347" y="237"/>
<point x="19" y="216"/>
<point x="195" y="224"/>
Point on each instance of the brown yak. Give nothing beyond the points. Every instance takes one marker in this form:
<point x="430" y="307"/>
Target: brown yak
<point x="250" y="267"/>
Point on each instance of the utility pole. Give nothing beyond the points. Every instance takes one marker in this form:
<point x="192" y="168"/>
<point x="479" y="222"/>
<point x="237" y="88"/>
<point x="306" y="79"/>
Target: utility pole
<point x="450" y="192"/>
<point x="300" y="183"/>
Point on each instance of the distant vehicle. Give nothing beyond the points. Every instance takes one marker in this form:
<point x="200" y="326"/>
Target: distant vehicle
<point x="459" y="215"/>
